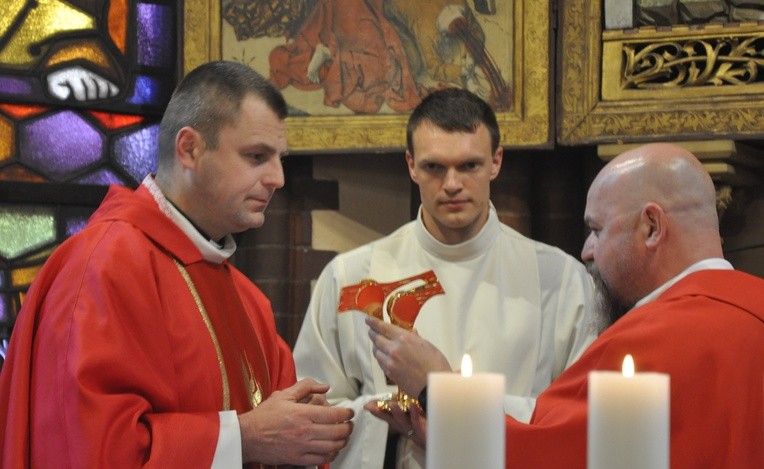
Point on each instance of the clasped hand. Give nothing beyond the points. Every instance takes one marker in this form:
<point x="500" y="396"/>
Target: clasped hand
<point x="295" y="426"/>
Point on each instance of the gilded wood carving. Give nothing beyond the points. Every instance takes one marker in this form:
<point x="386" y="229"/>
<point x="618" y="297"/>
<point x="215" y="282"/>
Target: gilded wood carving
<point x="680" y="82"/>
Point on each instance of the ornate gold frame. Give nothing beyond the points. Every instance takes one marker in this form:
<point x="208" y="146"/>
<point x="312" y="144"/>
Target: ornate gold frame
<point x="596" y="106"/>
<point x="527" y="125"/>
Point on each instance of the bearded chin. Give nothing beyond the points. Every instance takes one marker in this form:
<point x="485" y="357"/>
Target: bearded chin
<point x="608" y="307"/>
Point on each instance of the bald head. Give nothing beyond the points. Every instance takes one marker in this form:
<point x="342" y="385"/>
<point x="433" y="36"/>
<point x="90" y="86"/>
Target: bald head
<point x="664" y="174"/>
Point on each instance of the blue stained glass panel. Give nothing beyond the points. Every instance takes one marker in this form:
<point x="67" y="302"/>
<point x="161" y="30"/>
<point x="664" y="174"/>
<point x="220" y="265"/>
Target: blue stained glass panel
<point x="149" y="90"/>
<point x="137" y="152"/>
<point x="102" y="177"/>
<point x="3" y="306"/>
<point x="15" y="86"/>
<point x="60" y="144"/>
<point x="155" y="35"/>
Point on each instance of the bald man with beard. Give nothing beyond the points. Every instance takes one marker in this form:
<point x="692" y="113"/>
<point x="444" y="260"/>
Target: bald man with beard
<point x="666" y="296"/>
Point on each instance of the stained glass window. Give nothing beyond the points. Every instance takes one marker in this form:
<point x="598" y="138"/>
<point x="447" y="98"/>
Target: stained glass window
<point x="83" y="85"/>
<point x="28" y="234"/>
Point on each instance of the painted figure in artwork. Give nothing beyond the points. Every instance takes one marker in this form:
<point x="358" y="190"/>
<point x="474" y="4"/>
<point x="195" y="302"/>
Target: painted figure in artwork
<point x="368" y="54"/>
<point x="445" y="46"/>
<point x="348" y="48"/>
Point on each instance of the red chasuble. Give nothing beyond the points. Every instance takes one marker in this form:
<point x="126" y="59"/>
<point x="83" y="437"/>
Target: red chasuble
<point x="707" y="333"/>
<point x="128" y="346"/>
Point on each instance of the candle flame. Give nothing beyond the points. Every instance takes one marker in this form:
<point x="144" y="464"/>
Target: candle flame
<point x="466" y="365"/>
<point x="628" y="366"/>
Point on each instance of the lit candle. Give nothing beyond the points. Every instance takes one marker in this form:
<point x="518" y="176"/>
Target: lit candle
<point x="465" y="419"/>
<point x="628" y="419"/>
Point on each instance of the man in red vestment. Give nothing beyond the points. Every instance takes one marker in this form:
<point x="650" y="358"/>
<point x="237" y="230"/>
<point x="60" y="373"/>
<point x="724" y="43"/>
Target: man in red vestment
<point x="667" y="297"/>
<point x="139" y="343"/>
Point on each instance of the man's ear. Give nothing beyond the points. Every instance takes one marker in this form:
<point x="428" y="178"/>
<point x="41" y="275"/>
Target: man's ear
<point x="496" y="160"/>
<point x="653" y="220"/>
<point x="189" y="145"/>
<point x="412" y="167"/>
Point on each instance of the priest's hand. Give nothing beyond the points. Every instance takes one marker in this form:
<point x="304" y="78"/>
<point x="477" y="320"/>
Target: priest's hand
<point x="411" y="424"/>
<point x="295" y="426"/>
<point x="404" y="356"/>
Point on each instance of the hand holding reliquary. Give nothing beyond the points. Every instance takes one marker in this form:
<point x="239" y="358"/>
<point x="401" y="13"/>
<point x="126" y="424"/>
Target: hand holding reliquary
<point x="402" y="299"/>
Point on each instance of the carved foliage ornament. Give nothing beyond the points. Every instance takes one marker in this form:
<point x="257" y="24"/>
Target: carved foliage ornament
<point x="719" y="61"/>
<point x="599" y="103"/>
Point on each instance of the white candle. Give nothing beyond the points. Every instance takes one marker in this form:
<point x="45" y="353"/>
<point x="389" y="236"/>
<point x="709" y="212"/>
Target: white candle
<point x="628" y="419"/>
<point x="465" y="419"/>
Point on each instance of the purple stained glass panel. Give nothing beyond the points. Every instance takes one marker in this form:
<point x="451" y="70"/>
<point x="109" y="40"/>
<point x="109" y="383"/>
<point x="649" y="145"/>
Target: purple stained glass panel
<point x="102" y="177"/>
<point x="15" y="86"/>
<point x="60" y="144"/>
<point x="155" y="35"/>
<point x="137" y="152"/>
<point x="3" y="306"/>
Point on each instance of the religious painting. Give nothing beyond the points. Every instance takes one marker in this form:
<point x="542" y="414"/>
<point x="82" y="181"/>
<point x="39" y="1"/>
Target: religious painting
<point x="680" y="70"/>
<point x="352" y="70"/>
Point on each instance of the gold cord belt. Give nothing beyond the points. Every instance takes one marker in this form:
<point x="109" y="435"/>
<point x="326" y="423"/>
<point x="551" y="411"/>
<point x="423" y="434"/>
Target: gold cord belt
<point x="211" y="330"/>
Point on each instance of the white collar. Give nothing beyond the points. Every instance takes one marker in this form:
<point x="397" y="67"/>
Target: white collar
<point x="211" y="250"/>
<point x="716" y="263"/>
<point x="469" y="249"/>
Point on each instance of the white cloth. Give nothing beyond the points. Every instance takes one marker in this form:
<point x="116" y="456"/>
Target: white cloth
<point x="517" y="306"/>
<point x="712" y="263"/>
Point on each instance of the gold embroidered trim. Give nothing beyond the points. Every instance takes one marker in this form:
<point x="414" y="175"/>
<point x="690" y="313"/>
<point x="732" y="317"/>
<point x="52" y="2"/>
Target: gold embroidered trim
<point x="206" y="319"/>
